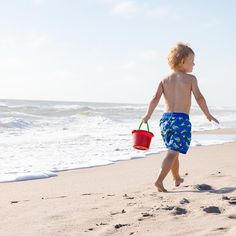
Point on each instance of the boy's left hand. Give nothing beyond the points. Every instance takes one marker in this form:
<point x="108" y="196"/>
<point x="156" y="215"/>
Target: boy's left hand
<point x="210" y="118"/>
<point x="145" y="119"/>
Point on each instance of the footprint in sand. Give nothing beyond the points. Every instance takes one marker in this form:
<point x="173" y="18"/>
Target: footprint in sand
<point x="127" y="197"/>
<point x="213" y="209"/>
<point x="101" y="224"/>
<point x="118" y="212"/>
<point x="225" y="198"/>
<point x="184" y="201"/>
<point x="225" y="190"/>
<point x="179" y="211"/>
<point x="233" y="216"/>
<point x="145" y="215"/>
<point x="176" y="210"/>
<point x="117" y="226"/>
<point x="221" y="229"/>
<point x="203" y="187"/>
<point x="231" y="200"/>
<point x="168" y="208"/>
<point x="14" y="202"/>
<point x="91" y="229"/>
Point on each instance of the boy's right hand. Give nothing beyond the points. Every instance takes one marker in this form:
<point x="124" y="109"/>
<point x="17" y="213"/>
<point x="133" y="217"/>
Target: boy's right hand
<point x="145" y="119"/>
<point x="210" y="118"/>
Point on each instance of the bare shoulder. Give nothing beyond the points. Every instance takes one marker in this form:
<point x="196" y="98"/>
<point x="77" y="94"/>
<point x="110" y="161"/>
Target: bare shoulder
<point x="192" y="77"/>
<point x="189" y="79"/>
<point x="165" y="78"/>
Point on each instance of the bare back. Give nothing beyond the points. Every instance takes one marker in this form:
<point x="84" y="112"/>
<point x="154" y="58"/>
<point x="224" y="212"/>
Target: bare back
<point x="177" y="92"/>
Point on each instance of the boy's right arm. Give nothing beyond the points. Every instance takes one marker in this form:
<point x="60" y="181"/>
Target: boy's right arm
<point x="201" y="100"/>
<point x="153" y="103"/>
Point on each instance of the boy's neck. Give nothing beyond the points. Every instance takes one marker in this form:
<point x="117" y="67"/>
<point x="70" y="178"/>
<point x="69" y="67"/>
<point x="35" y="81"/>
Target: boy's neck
<point x="179" y="71"/>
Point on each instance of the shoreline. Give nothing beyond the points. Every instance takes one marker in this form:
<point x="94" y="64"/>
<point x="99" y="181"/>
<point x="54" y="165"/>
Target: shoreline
<point x="220" y="131"/>
<point x="121" y="199"/>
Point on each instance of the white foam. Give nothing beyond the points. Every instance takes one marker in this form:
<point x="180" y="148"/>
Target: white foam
<point x="212" y="141"/>
<point x="137" y="155"/>
<point x="26" y="176"/>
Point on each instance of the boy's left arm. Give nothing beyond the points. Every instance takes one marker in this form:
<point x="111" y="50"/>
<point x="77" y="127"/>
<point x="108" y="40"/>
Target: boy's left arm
<point x="201" y="101"/>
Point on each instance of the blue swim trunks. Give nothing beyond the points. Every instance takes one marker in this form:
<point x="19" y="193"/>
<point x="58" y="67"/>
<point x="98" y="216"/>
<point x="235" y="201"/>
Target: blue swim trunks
<point x="176" y="131"/>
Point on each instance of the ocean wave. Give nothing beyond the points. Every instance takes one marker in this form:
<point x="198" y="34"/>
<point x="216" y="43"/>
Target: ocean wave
<point x="60" y="110"/>
<point x="53" y="111"/>
<point x="72" y="122"/>
<point x="13" y="123"/>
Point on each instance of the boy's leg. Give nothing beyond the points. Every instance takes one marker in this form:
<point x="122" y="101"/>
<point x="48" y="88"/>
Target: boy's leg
<point x="175" y="172"/>
<point x="165" y="168"/>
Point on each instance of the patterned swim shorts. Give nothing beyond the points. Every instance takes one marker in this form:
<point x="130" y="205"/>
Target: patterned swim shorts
<point x="176" y="131"/>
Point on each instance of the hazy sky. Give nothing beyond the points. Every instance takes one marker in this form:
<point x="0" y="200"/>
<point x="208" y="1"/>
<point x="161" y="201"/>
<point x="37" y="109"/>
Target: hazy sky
<point x="113" y="50"/>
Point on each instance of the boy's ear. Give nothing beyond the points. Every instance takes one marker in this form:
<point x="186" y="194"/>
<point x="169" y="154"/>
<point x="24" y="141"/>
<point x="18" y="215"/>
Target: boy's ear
<point x="182" y="61"/>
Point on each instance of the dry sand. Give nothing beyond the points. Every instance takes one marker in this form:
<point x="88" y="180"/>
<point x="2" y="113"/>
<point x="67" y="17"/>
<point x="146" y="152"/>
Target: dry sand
<point x="121" y="199"/>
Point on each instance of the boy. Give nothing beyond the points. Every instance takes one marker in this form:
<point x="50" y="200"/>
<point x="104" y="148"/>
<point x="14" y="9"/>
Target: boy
<point x="174" y="124"/>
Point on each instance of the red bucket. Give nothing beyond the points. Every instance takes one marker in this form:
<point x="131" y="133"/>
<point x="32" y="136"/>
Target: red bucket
<point x="142" y="138"/>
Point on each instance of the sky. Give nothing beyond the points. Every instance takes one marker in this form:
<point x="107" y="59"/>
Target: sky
<point x="113" y="50"/>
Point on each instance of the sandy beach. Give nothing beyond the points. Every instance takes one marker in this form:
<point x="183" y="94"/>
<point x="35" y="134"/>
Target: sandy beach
<point x="121" y="199"/>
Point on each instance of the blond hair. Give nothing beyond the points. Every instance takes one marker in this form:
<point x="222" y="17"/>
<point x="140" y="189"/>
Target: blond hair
<point x="177" y="54"/>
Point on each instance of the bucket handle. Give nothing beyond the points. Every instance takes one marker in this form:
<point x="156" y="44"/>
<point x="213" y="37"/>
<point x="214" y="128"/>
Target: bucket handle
<point x="141" y="125"/>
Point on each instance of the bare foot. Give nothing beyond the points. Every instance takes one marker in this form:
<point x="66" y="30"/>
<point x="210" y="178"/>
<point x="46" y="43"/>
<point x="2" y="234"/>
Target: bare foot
<point x="160" y="187"/>
<point x="178" y="181"/>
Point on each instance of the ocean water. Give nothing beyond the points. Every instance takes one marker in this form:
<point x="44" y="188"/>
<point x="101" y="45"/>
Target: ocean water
<point x="40" y="138"/>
